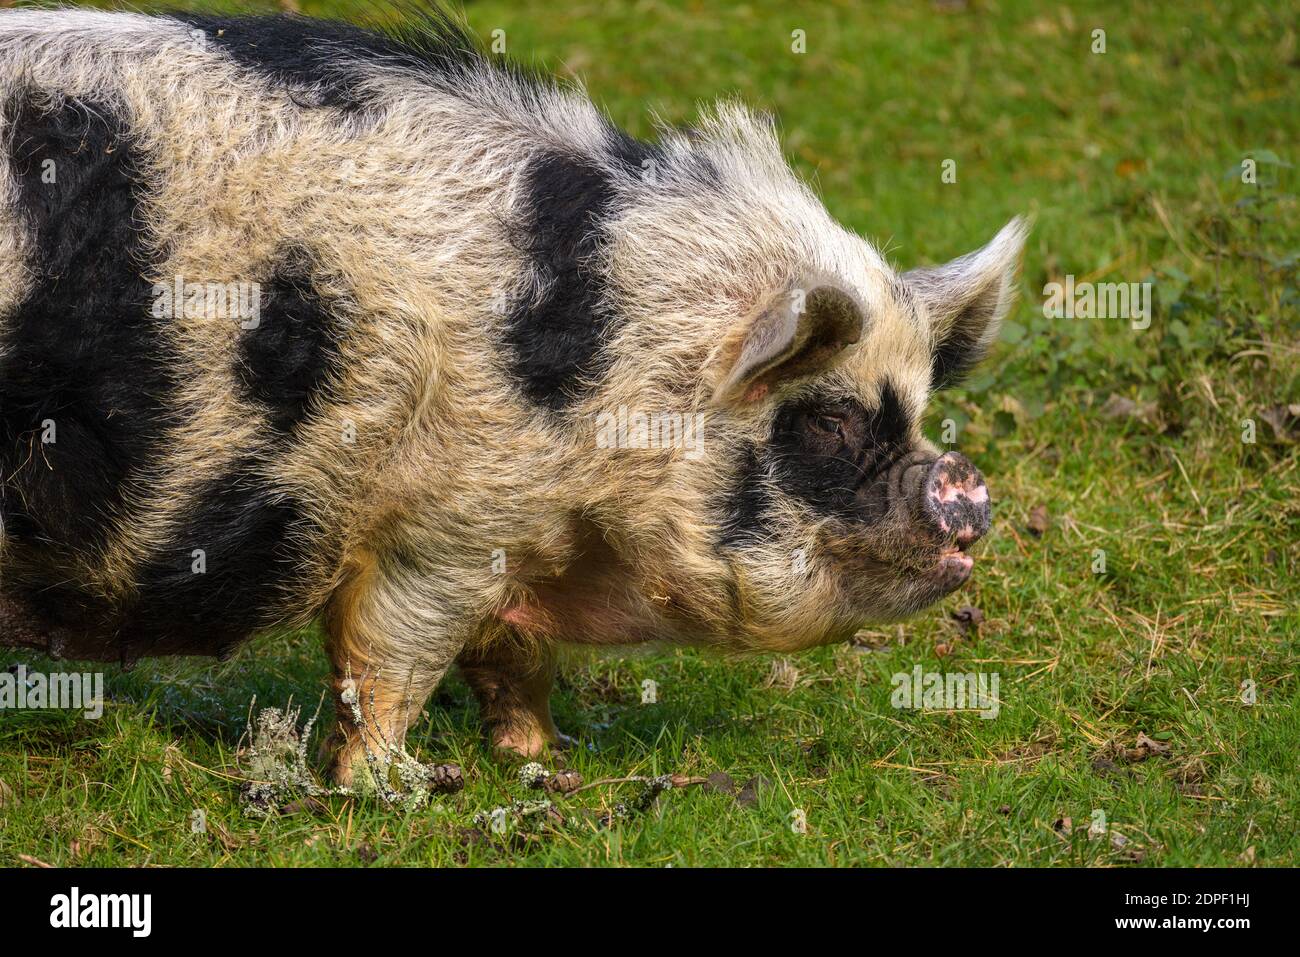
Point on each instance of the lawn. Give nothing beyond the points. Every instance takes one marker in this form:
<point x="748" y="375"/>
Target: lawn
<point x="1139" y="591"/>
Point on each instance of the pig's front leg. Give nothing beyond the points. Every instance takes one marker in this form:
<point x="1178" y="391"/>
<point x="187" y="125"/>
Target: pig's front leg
<point x="388" y="652"/>
<point x="513" y="689"/>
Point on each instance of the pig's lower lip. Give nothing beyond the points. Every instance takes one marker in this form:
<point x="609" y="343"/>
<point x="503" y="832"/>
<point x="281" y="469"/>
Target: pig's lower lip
<point x="952" y="570"/>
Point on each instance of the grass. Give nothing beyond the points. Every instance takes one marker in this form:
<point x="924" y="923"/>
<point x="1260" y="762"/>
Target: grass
<point x="1123" y="158"/>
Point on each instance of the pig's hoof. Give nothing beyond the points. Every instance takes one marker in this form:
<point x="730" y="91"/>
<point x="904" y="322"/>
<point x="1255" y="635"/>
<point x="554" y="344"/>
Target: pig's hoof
<point x="513" y="745"/>
<point x="350" y="771"/>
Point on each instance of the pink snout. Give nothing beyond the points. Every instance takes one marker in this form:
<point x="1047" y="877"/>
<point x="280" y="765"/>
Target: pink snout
<point x="955" y="500"/>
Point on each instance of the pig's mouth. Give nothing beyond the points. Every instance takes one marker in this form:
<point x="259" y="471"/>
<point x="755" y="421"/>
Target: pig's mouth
<point x="952" y="569"/>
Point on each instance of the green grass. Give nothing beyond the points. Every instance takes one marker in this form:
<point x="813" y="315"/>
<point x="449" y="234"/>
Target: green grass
<point x="1122" y="158"/>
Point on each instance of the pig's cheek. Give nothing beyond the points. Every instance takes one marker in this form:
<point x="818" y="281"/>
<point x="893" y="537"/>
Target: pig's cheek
<point x="874" y="506"/>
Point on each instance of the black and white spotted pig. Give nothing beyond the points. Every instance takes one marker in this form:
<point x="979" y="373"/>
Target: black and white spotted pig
<point x="452" y="277"/>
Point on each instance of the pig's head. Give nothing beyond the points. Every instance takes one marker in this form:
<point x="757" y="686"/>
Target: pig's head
<point x="838" y="512"/>
<point x="812" y="504"/>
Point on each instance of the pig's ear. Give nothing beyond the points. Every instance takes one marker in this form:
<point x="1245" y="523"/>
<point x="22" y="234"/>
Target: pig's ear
<point x="797" y="333"/>
<point x="966" y="300"/>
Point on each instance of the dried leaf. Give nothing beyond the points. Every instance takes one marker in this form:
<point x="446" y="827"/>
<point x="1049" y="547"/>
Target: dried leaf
<point x="968" y="619"/>
<point x="1120" y="407"/>
<point x="784" y="675"/>
<point x="562" y="782"/>
<point x="1150" y="744"/>
<point x="1039" y="522"/>
<point x="1143" y="749"/>
<point x="1284" y="420"/>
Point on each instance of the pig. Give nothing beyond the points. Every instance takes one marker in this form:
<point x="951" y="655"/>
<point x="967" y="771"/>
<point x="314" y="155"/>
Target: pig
<point x="303" y="321"/>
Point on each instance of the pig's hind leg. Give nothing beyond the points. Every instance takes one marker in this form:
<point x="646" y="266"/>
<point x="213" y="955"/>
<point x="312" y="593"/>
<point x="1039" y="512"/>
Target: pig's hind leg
<point x="513" y="688"/>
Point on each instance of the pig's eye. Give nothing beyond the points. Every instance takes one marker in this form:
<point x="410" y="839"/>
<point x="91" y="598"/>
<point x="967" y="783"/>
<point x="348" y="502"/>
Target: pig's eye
<point x="827" y="429"/>
<point x="827" y="425"/>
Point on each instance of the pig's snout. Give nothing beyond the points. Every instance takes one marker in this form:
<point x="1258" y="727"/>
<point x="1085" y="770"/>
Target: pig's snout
<point x="946" y="494"/>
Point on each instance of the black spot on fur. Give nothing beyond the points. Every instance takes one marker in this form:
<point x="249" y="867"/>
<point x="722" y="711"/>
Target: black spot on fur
<point x="325" y="62"/>
<point x="289" y="356"/>
<point x="636" y="157"/>
<point x="822" y="452"/>
<point x="255" y="540"/>
<point x="556" y="341"/>
<point x="745" y="510"/>
<point x="81" y="351"/>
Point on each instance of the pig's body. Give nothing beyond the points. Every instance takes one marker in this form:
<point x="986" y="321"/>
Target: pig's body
<point x="454" y="273"/>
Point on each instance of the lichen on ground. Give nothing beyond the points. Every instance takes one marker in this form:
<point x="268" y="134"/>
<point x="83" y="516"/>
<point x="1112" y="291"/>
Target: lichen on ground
<point x="277" y="772"/>
<point x="276" y="762"/>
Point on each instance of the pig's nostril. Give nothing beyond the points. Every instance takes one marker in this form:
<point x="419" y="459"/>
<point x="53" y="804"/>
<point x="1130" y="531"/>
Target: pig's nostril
<point x="907" y="476"/>
<point x="956" y="500"/>
<point x="912" y="482"/>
